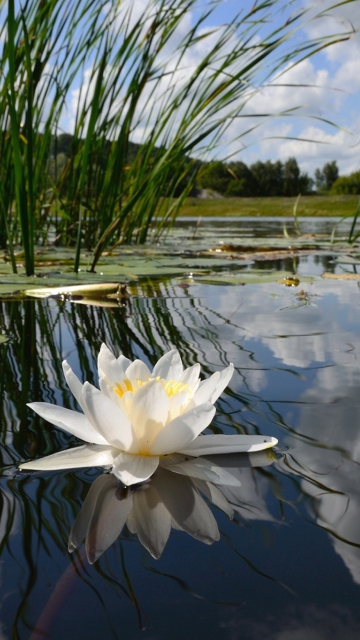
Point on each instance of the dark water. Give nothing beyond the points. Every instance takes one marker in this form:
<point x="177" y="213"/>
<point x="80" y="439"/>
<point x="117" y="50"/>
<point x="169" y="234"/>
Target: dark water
<point x="287" y="566"/>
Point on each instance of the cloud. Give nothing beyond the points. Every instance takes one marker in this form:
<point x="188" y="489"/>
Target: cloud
<point x="294" y="622"/>
<point x="325" y="86"/>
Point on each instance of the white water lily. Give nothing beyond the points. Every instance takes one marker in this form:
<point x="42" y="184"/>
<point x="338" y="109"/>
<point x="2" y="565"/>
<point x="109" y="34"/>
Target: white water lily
<point x="138" y="416"/>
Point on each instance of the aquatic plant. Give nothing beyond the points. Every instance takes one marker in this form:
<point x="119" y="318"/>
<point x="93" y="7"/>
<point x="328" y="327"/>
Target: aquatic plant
<point x="138" y="416"/>
<point x="138" y="82"/>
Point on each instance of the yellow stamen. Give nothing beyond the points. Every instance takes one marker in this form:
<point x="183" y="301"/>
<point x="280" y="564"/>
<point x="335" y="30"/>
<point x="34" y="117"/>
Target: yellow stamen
<point x="172" y="387"/>
<point x="122" y="387"/>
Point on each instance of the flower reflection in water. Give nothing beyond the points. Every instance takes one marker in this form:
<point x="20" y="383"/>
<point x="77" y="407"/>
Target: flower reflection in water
<point x="171" y="498"/>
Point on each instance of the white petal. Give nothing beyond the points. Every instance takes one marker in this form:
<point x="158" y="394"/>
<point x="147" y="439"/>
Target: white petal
<point x="191" y="376"/>
<point x="169" y="367"/>
<point x="149" y="412"/>
<point x="109" y="392"/>
<point x="208" y="445"/>
<point x="113" y="369"/>
<point x="106" y="389"/>
<point x="109" y="419"/>
<point x="77" y="390"/>
<point x="138" y="370"/>
<point x="88" y="455"/>
<point x="133" y="469"/>
<point x="211" y="388"/>
<point x="124" y="362"/>
<point x="75" y="423"/>
<point x="179" y="403"/>
<point x="73" y="381"/>
<point x="178" y="434"/>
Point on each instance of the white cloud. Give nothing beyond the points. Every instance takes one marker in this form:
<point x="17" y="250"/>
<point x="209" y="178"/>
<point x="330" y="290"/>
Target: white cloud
<point x="329" y="467"/>
<point x="325" y="86"/>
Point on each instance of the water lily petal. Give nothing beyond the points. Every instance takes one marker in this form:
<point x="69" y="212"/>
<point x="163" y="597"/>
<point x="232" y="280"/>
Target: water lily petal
<point x="169" y="367"/>
<point x="148" y="412"/>
<point x="113" y="369"/>
<point x="110" y="393"/>
<point x="210" y="389"/>
<point x="191" y="376"/>
<point x="131" y="469"/>
<point x="178" y="434"/>
<point x="178" y="403"/>
<point x="110" y="420"/>
<point x="87" y="455"/>
<point x="152" y="520"/>
<point x="77" y="390"/>
<point x="207" y="445"/>
<point x="138" y="370"/>
<point x="73" y="381"/>
<point x="106" y="389"/>
<point x="72" y="421"/>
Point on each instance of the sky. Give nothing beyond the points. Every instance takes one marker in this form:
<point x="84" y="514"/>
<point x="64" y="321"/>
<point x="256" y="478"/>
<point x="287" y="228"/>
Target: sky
<point x="335" y="74"/>
<point x="323" y="87"/>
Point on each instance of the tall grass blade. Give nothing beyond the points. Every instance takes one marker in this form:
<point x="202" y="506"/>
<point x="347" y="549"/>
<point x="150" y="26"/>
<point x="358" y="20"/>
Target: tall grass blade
<point x="153" y="79"/>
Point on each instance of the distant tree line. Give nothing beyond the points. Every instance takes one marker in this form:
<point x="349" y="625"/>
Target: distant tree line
<point x="274" y="179"/>
<point x="233" y="179"/>
<point x="260" y="179"/>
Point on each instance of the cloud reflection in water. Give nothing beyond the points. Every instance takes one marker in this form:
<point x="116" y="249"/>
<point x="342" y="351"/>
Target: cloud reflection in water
<point x="171" y="498"/>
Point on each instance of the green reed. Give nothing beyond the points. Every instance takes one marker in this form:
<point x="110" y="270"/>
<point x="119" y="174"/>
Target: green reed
<point x="107" y="190"/>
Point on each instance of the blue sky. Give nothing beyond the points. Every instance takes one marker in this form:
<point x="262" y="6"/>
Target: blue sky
<point x="334" y="94"/>
<point x="336" y="74"/>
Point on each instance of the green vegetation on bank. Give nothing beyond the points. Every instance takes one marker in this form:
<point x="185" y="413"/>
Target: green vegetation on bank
<point x="308" y="206"/>
<point x="347" y="184"/>
<point x="264" y="179"/>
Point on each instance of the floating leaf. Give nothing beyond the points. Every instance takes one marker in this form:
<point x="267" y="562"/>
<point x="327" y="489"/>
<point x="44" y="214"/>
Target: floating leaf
<point x="89" y="290"/>
<point x="342" y="276"/>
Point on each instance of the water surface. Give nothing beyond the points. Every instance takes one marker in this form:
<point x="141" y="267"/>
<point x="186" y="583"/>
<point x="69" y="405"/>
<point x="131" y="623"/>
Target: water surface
<point x="288" y="564"/>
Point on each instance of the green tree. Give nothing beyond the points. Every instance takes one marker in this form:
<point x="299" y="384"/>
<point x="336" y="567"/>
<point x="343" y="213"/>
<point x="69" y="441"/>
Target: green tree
<point x="319" y="180"/>
<point x="269" y="177"/>
<point x="291" y="178"/>
<point x="331" y="174"/>
<point x="347" y="185"/>
<point x="325" y="177"/>
<point x="215" y="176"/>
<point x="243" y="183"/>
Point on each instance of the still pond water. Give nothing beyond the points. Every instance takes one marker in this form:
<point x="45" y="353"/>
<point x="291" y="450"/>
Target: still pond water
<point x="287" y="565"/>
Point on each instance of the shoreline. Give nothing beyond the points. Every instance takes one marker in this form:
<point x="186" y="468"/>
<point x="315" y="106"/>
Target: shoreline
<point x="277" y="206"/>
